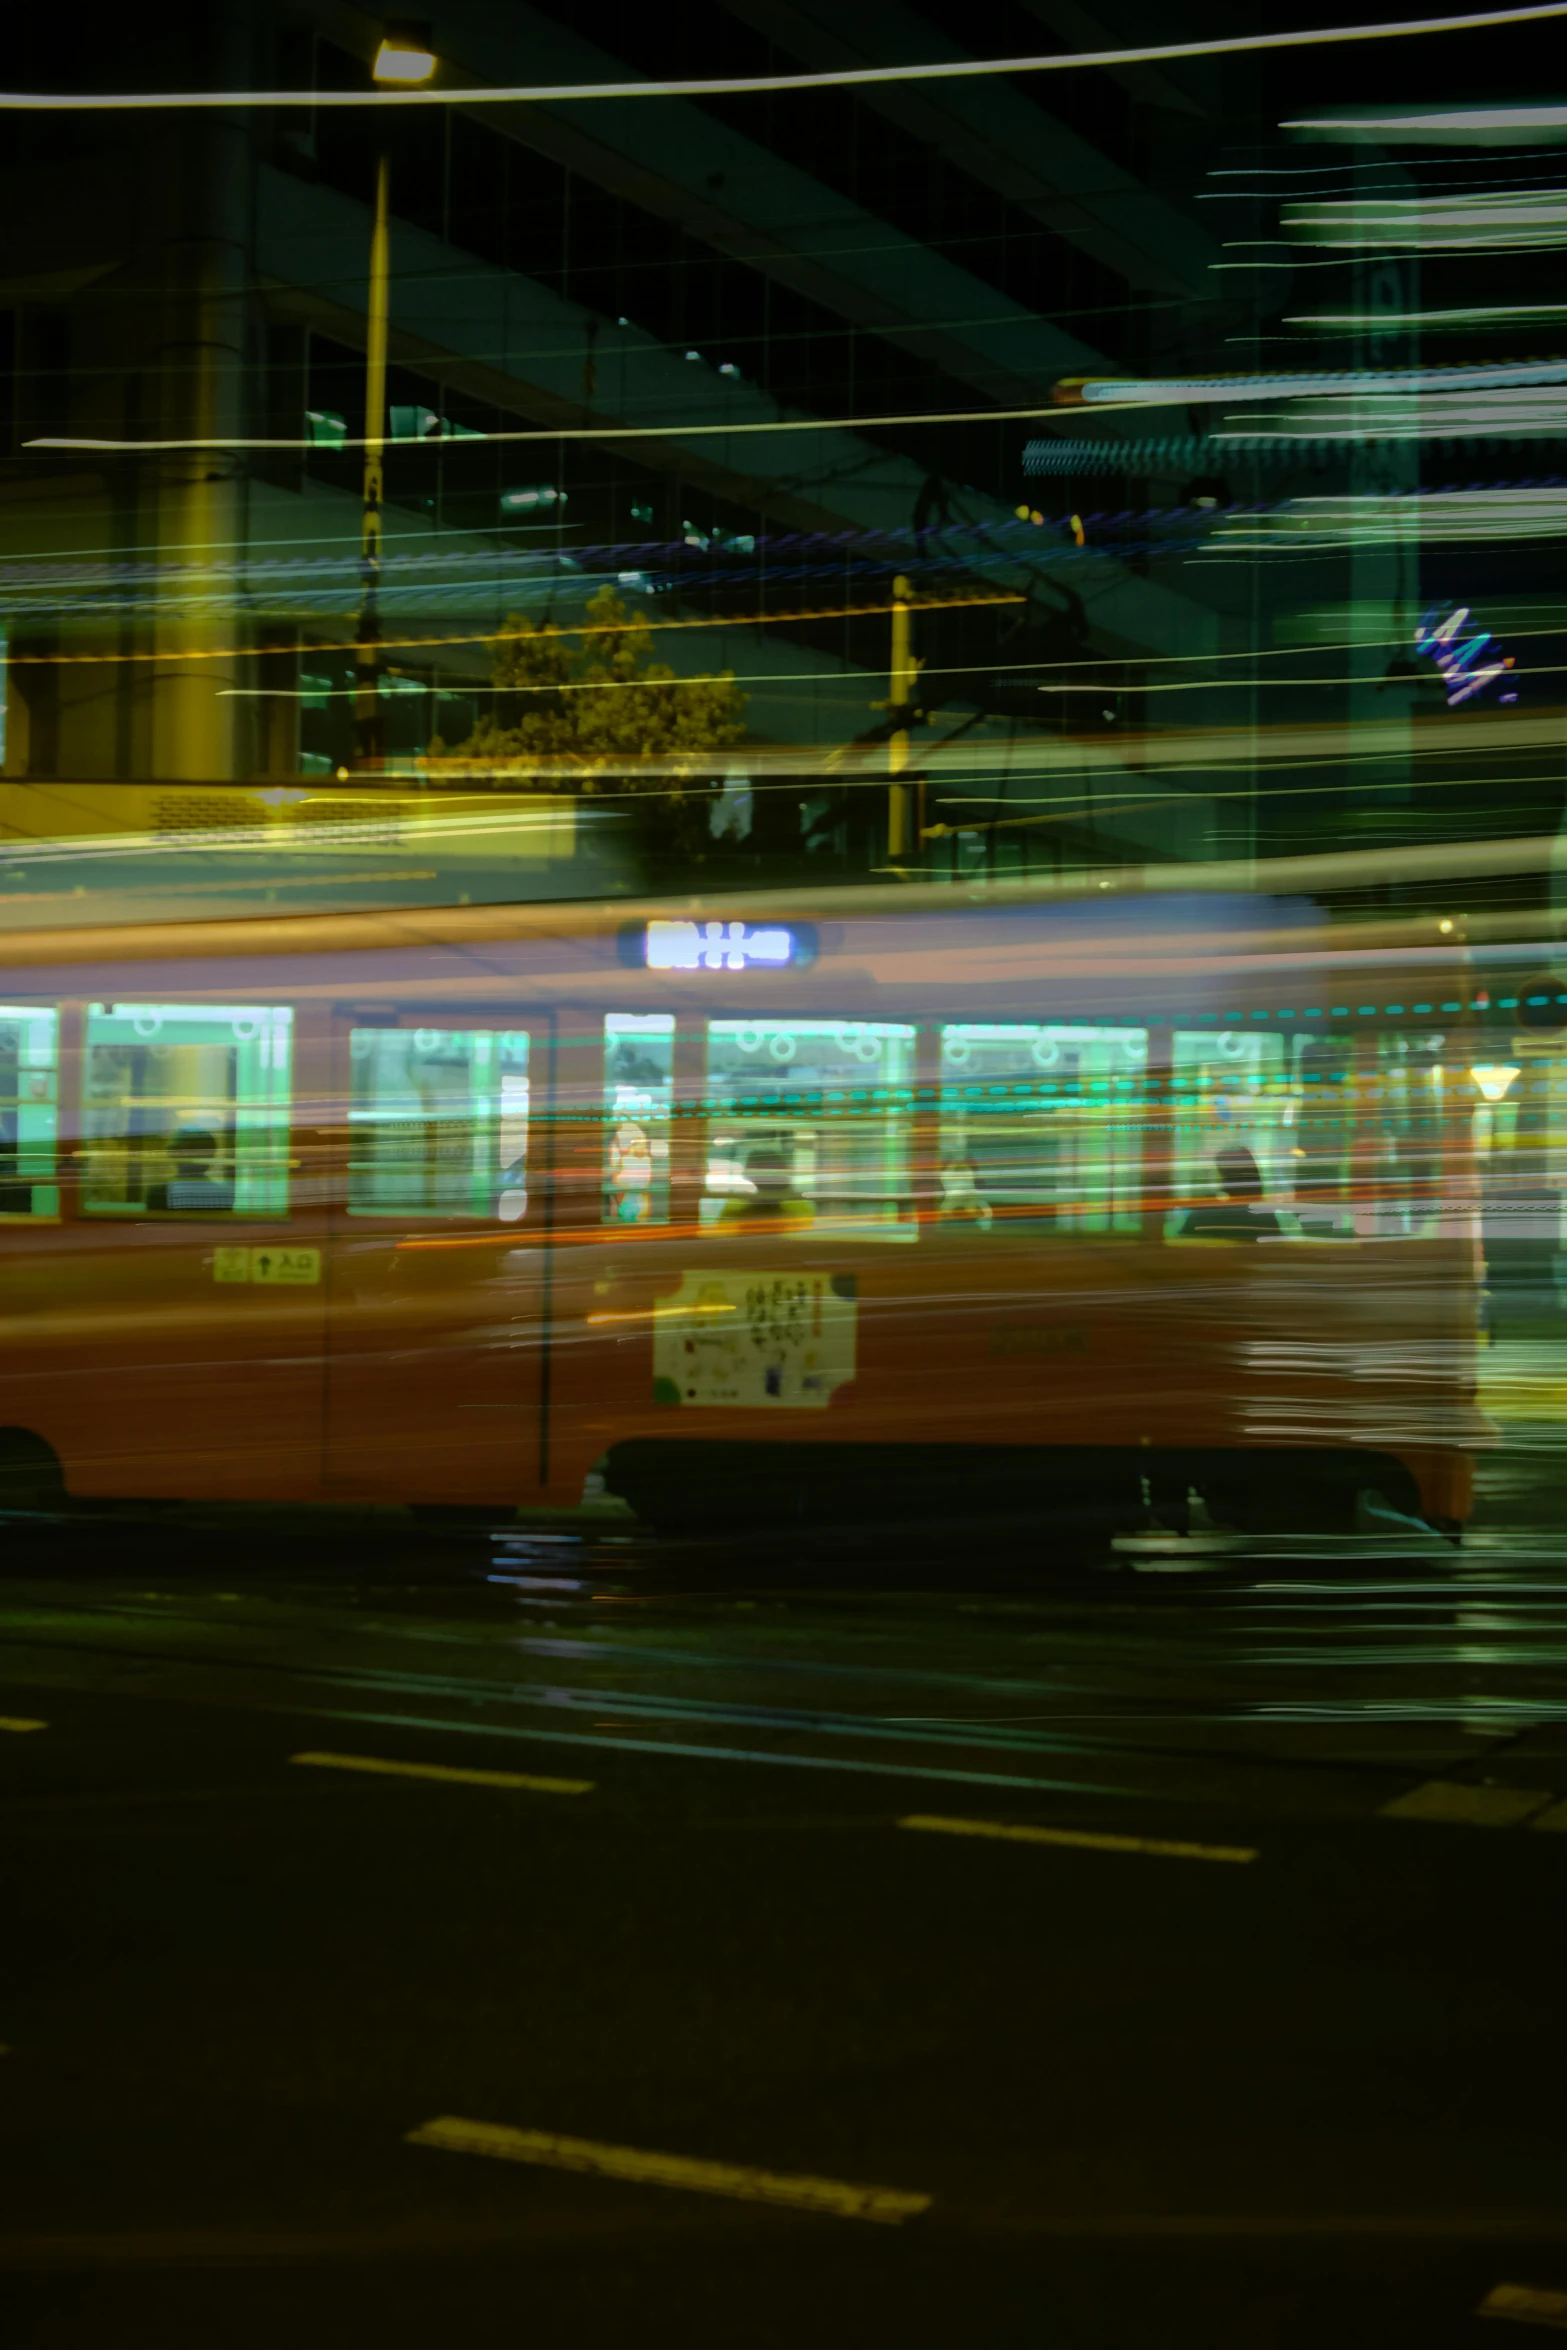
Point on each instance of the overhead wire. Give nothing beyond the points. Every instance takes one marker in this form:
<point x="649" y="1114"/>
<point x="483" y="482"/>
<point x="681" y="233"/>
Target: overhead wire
<point x="839" y="78"/>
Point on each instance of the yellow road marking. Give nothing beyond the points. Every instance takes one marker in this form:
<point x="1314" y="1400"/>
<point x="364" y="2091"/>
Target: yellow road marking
<point x="1531" y="2305"/>
<point x="1556" y="1817"/>
<point x="1468" y="1807"/>
<point x="1008" y="1834"/>
<point x="838" y="2197"/>
<point x="20" y="1722"/>
<point x="378" y="1765"/>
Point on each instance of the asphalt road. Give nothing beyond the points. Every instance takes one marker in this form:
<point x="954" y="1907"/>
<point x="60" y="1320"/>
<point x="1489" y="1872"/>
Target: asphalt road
<point x="907" y="1945"/>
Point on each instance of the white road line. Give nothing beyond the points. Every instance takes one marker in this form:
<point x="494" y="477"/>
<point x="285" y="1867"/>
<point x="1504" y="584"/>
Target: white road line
<point x="1088" y="1840"/>
<point x="1470" y="1807"/>
<point x="839" y="2198"/>
<point x="1528" y="2305"/>
<point x="380" y="1767"/>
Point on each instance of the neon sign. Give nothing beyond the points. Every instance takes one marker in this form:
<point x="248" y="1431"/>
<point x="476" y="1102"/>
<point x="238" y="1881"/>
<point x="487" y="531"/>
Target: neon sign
<point x="725" y="946"/>
<point x="1469" y="658"/>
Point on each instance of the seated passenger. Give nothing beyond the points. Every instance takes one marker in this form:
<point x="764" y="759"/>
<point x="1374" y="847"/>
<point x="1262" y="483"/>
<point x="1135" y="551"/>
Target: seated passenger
<point x="1236" y="1217"/>
<point x="630" y="1173"/>
<point x="771" y="1175"/>
<point x="962" y="1201"/>
<point x="511" y="1193"/>
<point x="192" y="1190"/>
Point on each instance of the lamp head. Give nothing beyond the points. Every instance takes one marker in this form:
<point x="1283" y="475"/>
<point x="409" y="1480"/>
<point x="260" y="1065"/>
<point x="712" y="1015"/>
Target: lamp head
<point x="405" y="57"/>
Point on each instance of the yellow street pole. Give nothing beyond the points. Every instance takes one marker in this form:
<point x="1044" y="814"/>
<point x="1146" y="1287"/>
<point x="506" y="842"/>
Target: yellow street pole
<point x="367" y="699"/>
<point x="900" y="693"/>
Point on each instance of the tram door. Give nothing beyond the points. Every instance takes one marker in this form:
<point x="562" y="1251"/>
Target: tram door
<point x="438" y="1277"/>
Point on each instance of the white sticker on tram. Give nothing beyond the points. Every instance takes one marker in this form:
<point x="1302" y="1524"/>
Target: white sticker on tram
<point x="291" y="1266"/>
<point x="767" y="1340"/>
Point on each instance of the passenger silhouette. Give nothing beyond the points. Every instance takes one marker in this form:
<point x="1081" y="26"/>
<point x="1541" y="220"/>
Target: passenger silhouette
<point x="1236" y="1217"/>
<point x="771" y="1174"/>
<point x="192" y="1189"/>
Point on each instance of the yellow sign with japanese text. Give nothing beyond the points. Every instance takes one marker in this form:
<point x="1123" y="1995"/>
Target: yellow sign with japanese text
<point x="291" y="1266"/>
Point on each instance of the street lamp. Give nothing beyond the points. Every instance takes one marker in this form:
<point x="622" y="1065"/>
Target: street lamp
<point x="405" y="56"/>
<point x="403" y="60"/>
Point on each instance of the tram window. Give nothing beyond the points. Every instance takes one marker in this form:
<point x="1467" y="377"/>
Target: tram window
<point x="1040" y="1128"/>
<point x="29" y="1071"/>
<point x="1346" y="1133"/>
<point x="810" y="1122"/>
<point x="1231" y="1098"/>
<point x="1371" y="1126"/>
<point x="438" y="1123"/>
<point x="639" y="1054"/>
<point x="185" y="1110"/>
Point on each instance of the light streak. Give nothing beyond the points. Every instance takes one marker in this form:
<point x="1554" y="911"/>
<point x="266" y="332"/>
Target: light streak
<point x="848" y="77"/>
<point x="1504" y="415"/>
<point x="1460" y="223"/>
<point x="610" y="430"/>
<point x="499" y="636"/>
<point x="1199" y="390"/>
<point x="1462" y="120"/>
<point x="1435" y="516"/>
<point x="1383" y="320"/>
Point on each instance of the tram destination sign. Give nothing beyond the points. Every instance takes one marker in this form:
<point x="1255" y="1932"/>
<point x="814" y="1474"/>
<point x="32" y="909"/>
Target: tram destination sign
<point x="704" y="943"/>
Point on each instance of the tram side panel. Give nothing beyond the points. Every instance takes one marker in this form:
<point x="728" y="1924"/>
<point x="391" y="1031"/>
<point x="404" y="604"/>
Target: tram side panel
<point x="163" y="1313"/>
<point x="1026" y="1285"/>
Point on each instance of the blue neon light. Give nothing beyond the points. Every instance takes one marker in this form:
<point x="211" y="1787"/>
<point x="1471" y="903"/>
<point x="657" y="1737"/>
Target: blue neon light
<point x="1441" y="636"/>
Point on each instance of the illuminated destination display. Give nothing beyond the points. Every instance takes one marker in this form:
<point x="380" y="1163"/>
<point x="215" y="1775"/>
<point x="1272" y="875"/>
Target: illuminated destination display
<point x="725" y="946"/>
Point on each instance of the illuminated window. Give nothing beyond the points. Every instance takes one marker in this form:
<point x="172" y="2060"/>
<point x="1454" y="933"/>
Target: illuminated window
<point x="29" y="1095"/>
<point x="810" y="1124"/>
<point x="438" y="1123"/>
<point x="1230" y="1110"/>
<point x="1370" y="1133"/>
<point x="185" y="1110"/>
<point x="1040" y="1128"/>
<point x="1307" y="1137"/>
<point x="638" y="1091"/>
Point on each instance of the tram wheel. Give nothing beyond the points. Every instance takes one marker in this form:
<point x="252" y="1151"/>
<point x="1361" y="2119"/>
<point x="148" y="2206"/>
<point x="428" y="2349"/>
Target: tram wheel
<point x="30" y="1474"/>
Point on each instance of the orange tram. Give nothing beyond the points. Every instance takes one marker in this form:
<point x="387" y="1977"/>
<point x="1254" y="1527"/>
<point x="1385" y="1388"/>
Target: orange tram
<point x="895" y="1201"/>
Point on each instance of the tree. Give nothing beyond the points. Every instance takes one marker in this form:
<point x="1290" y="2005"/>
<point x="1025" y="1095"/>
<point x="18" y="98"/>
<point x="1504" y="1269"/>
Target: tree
<point x="601" y="715"/>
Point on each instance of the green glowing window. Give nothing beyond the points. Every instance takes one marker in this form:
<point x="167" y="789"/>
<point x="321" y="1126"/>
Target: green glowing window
<point x="1230" y="1094"/>
<point x="1309" y="1137"/>
<point x="185" y="1110"/>
<point x="638" y="1092"/>
<point x="810" y="1125"/>
<point x="438" y="1123"/>
<point x="29" y="1096"/>
<point x="1041" y="1128"/>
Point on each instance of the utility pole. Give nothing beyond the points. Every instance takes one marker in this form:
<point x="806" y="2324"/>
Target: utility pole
<point x="368" y="745"/>
<point x="900" y="696"/>
<point x="198" y="189"/>
<point x="404" y="60"/>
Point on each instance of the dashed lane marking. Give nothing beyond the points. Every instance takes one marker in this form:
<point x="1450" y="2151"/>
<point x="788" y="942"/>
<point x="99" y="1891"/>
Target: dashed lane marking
<point x="839" y="2198"/>
<point x="1530" y="2305"/>
<point x="20" y="1723"/>
<point x="1006" y="1833"/>
<point x="380" y="1767"/>
<point x="1469" y="1807"/>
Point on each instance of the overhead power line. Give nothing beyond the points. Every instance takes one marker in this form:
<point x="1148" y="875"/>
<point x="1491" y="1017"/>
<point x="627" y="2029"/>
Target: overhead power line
<point x="848" y="77"/>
